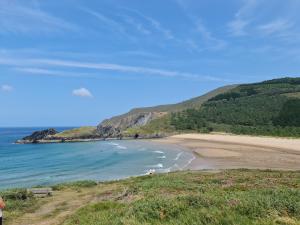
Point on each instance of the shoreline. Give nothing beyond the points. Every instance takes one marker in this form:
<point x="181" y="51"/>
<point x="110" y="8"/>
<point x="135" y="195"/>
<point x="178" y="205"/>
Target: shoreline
<point x="78" y="140"/>
<point x="227" y="151"/>
<point x="217" y="152"/>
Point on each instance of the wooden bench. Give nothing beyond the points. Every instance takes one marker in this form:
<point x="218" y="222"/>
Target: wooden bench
<point x="41" y="192"/>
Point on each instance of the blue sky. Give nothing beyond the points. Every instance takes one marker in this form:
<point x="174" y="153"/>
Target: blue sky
<point x="73" y="63"/>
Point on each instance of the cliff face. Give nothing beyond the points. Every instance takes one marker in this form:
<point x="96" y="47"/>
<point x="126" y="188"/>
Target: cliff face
<point x="115" y="126"/>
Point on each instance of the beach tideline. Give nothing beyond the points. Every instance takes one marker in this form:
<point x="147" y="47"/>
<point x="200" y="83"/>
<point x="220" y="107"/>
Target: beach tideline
<point x="225" y="151"/>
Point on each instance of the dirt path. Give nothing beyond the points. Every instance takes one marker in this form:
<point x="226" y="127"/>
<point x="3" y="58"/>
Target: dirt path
<point x="55" y="209"/>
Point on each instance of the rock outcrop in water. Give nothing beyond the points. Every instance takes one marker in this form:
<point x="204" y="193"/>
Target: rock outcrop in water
<point x="37" y="136"/>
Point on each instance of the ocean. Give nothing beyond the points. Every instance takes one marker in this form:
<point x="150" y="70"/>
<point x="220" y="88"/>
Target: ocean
<point x="30" y="165"/>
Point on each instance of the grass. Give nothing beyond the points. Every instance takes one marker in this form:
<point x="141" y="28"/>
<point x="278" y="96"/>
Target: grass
<point x="77" y="132"/>
<point x="293" y="95"/>
<point x="18" y="202"/>
<point x="228" y="197"/>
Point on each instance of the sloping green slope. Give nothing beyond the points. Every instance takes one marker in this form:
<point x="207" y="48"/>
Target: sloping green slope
<point x="268" y="108"/>
<point x="151" y="120"/>
<point x="191" y="103"/>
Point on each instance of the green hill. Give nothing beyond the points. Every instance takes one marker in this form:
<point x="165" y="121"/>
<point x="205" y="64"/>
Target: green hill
<point x="125" y="125"/>
<point x="266" y="108"/>
<point x="269" y="108"/>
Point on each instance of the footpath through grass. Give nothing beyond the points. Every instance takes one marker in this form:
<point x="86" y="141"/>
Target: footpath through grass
<point x="228" y="197"/>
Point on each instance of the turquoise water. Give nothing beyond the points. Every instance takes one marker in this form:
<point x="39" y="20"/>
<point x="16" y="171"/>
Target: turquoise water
<point x="44" y="164"/>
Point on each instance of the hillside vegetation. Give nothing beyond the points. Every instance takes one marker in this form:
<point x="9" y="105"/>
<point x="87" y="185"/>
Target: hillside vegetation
<point x="267" y="108"/>
<point x="77" y="133"/>
<point x="150" y="121"/>
<point x="248" y="197"/>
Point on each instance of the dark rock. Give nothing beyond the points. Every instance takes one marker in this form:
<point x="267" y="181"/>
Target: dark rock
<point x="39" y="135"/>
<point x="107" y="131"/>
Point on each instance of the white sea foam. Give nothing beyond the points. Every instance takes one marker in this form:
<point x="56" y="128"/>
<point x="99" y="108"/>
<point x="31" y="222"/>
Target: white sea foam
<point x="175" y="166"/>
<point x="121" y="147"/>
<point x="113" y="143"/>
<point x="159" y="152"/>
<point x="189" y="162"/>
<point x="178" y="156"/>
<point x="117" y="145"/>
<point x="159" y="165"/>
<point x="161" y="157"/>
<point x="151" y="171"/>
<point x="168" y="170"/>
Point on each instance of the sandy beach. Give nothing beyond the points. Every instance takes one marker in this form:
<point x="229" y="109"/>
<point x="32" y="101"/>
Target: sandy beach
<point x="226" y="151"/>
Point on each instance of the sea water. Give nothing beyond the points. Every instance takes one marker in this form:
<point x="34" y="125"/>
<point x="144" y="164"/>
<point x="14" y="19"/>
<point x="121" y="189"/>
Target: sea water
<point x="46" y="164"/>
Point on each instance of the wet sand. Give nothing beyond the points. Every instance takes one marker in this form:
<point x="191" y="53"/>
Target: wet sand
<point x="224" y="151"/>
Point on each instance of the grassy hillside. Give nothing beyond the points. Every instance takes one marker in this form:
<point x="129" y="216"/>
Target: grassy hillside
<point x="77" y="132"/>
<point x="194" y="102"/>
<point x="266" y="108"/>
<point x="230" y="197"/>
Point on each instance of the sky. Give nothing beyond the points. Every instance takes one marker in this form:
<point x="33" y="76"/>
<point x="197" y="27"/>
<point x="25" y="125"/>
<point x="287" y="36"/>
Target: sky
<point x="76" y="62"/>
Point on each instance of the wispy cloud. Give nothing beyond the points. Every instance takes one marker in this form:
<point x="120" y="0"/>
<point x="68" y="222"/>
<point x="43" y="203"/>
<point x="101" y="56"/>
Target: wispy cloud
<point x="211" y="41"/>
<point x="208" y="40"/>
<point x="237" y="27"/>
<point x="124" y="69"/>
<point x="19" y="17"/>
<point x="276" y="27"/>
<point x="137" y="25"/>
<point x="82" y="92"/>
<point x="6" y="88"/>
<point x="52" y="72"/>
<point x="155" y="24"/>
<point x="242" y="18"/>
<point x="34" y="66"/>
<point x="106" y="21"/>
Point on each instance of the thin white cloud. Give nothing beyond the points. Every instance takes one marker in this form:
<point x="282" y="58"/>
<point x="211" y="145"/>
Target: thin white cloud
<point x="237" y="27"/>
<point x="123" y="68"/>
<point x="166" y="33"/>
<point x="211" y="41"/>
<point x="112" y="24"/>
<point x="19" y="17"/>
<point x="34" y="66"/>
<point x="157" y="25"/>
<point x="137" y="25"/>
<point x="276" y="27"/>
<point x="242" y="18"/>
<point x="6" y="88"/>
<point x="51" y="72"/>
<point x="82" y="92"/>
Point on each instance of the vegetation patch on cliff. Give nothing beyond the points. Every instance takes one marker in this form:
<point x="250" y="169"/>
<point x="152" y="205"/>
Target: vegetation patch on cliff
<point x="77" y="133"/>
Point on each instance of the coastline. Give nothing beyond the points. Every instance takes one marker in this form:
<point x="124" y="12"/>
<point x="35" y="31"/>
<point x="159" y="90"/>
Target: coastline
<point x="227" y="151"/>
<point x="75" y="140"/>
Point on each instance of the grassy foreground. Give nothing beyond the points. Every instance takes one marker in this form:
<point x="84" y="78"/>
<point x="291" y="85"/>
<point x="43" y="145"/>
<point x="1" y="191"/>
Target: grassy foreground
<point x="227" y="197"/>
